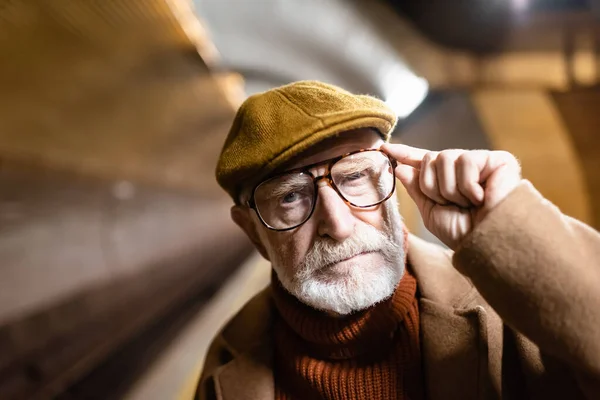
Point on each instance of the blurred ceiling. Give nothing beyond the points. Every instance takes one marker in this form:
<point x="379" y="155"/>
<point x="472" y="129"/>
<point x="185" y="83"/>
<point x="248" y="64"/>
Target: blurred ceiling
<point x="453" y="23"/>
<point x="273" y="42"/>
<point x="136" y="90"/>
<point x="379" y="47"/>
<point x="119" y="89"/>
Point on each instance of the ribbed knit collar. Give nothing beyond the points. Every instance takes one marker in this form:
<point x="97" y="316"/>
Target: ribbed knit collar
<point x="332" y="337"/>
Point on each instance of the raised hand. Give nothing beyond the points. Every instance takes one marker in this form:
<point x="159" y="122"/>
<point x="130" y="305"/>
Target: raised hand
<point x="454" y="189"/>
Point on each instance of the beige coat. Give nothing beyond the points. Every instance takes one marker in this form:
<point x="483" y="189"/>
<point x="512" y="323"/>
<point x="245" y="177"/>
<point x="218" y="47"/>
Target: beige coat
<point x="526" y="264"/>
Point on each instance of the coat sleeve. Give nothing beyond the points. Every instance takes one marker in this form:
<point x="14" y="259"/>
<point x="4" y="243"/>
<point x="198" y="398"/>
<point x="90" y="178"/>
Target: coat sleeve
<point x="540" y="270"/>
<point x="218" y="355"/>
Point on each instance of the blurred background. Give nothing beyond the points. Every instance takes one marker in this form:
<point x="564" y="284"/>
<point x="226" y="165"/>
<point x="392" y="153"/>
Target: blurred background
<point x="118" y="260"/>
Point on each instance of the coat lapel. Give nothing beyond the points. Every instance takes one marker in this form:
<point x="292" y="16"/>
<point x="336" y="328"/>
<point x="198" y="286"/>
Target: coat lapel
<point x="247" y="377"/>
<point x="454" y="340"/>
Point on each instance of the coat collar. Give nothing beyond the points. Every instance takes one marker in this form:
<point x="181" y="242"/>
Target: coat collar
<point x="248" y="376"/>
<point x="438" y="280"/>
<point x="457" y="327"/>
<point x="450" y="328"/>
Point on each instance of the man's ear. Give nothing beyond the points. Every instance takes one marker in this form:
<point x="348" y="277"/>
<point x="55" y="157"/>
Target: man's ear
<point x="241" y="216"/>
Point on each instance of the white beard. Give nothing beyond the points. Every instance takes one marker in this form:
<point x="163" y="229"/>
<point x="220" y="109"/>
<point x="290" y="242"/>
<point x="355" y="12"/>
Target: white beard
<point x="361" y="287"/>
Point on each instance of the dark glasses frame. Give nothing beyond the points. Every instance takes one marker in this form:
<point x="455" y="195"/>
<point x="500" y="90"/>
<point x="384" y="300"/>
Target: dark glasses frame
<point x="306" y="170"/>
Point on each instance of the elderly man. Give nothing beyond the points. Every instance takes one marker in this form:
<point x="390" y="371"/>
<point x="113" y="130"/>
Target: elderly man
<point x="357" y="307"/>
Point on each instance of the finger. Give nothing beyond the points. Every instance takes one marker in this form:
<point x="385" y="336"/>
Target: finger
<point x="497" y="159"/>
<point x="405" y="154"/>
<point x="447" y="178"/>
<point x="428" y="179"/>
<point x="487" y="162"/>
<point x="409" y="177"/>
<point x="468" y="177"/>
<point x="500" y="184"/>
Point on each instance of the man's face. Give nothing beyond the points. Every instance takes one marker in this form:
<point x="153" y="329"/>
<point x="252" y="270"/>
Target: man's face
<point x="343" y="259"/>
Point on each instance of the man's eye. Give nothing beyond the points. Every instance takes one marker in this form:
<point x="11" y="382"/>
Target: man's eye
<point x="354" y="176"/>
<point x="291" y="197"/>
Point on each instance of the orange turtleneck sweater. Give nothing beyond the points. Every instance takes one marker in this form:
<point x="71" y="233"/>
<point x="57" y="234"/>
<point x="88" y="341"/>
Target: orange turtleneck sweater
<point x="373" y="354"/>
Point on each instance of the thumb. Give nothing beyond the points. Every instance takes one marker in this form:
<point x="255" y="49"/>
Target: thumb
<point x="409" y="177"/>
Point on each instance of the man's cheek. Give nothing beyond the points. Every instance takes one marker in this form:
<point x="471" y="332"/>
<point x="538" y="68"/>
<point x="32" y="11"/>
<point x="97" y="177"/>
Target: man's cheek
<point x="290" y="248"/>
<point x="283" y="252"/>
<point x="377" y="222"/>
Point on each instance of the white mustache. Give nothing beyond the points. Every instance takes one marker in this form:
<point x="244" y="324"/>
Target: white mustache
<point x="325" y="252"/>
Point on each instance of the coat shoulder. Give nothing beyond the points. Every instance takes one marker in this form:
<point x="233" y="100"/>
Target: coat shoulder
<point x="247" y="331"/>
<point x="251" y="326"/>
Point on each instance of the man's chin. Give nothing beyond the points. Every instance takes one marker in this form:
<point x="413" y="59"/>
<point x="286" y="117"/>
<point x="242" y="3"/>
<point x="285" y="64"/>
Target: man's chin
<point x="347" y="294"/>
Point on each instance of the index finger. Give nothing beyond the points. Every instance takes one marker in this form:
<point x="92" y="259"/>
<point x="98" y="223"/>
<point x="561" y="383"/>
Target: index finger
<point x="405" y="154"/>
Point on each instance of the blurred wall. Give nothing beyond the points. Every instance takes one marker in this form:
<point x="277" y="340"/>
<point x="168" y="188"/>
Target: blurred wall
<point x="579" y="111"/>
<point x="110" y="218"/>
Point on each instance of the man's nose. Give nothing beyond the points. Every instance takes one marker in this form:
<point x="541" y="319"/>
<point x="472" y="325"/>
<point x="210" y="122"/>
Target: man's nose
<point x="335" y="219"/>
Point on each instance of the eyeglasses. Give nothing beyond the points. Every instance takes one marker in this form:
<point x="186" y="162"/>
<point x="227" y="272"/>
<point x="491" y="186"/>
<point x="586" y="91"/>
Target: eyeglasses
<point x="363" y="179"/>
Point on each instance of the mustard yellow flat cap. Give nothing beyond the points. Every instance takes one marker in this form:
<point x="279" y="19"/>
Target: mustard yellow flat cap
<point x="272" y="127"/>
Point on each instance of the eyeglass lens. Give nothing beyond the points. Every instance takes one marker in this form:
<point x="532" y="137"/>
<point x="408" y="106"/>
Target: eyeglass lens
<point x="362" y="179"/>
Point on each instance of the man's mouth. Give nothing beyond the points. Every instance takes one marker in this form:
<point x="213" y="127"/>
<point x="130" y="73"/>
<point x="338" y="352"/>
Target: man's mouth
<point x="344" y="265"/>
